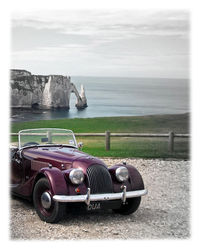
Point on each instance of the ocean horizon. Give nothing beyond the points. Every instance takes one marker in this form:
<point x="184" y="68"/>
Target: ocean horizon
<point x="119" y="96"/>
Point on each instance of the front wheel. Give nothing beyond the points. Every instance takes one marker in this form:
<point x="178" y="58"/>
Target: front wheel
<point x="47" y="209"/>
<point x="131" y="205"/>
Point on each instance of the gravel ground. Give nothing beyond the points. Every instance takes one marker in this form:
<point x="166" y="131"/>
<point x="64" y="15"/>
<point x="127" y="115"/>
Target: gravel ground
<point x="163" y="213"/>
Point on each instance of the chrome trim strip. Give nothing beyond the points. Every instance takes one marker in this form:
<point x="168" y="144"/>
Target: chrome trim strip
<point x="99" y="197"/>
<point x="124" y="195"/>
<point x="87" y="201"/>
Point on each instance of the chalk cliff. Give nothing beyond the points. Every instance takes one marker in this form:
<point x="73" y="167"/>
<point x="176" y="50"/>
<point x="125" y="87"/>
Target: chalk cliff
<point x="43" y="92"/>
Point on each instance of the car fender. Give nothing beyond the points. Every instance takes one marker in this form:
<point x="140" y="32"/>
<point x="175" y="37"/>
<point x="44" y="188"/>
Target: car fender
<point x="56" y="180"/>
<point x="135" y="179"/>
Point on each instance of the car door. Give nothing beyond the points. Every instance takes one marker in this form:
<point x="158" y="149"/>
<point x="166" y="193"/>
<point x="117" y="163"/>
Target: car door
<point x="16" y="168"/>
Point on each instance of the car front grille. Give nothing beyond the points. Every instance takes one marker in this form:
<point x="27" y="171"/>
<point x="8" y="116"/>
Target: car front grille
<point x="99" y="179"/>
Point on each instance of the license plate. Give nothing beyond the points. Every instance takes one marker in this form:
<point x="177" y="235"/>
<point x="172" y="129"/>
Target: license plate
<point x="94" y="206"/>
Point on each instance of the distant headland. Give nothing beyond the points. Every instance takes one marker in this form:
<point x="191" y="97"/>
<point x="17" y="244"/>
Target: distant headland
<point x="43" y="92"/>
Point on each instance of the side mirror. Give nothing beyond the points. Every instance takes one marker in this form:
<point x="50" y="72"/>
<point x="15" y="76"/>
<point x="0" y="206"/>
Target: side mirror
<point x="80" y="145"/>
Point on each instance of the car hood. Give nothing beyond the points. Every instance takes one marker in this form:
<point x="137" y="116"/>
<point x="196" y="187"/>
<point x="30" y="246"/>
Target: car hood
<point x="57" y="155"/>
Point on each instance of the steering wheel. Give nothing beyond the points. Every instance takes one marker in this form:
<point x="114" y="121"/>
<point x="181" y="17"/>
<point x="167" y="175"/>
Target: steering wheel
<point x="30" y="144"/>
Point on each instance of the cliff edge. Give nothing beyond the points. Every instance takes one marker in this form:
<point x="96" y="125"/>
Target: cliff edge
<point x="43" y="92"/>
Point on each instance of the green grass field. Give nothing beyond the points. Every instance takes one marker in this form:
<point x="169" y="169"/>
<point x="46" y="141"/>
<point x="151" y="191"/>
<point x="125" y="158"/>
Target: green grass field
<point x="123" y="147"/>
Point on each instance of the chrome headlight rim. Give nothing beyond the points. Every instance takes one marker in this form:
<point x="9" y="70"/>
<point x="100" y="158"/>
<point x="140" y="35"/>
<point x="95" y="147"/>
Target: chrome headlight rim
<point x="76" y="176"/>
<point x="122" y="174"/>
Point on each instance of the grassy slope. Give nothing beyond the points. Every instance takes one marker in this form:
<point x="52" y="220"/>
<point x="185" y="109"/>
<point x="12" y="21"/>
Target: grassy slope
<point x="124" y="147"/>
<point x="153" y="123"/>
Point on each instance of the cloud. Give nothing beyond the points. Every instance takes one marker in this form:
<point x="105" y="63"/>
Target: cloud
<point x="111" y="22"/>
<point x="95" y="41"/>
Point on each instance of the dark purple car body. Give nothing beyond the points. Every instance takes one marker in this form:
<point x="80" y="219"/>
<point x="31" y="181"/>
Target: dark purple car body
<point x="56" y="175"/>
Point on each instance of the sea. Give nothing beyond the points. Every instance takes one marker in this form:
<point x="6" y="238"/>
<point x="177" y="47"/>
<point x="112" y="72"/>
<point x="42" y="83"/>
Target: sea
<point x="119" y="96"/>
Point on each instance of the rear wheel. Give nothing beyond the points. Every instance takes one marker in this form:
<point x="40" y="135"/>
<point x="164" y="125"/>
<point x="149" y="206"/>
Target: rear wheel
<point x="47" y="209"/>
<point x="131" y="205"/>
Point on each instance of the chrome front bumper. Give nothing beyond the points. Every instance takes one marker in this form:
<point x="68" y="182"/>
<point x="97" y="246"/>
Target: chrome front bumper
<point x="100" y="197"/>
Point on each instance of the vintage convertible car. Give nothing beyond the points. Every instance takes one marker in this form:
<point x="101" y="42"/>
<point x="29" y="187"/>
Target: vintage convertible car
<point x="48" y="168"/>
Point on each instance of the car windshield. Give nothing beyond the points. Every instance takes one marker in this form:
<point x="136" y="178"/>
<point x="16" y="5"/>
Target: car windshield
<point x="46" y="136"/>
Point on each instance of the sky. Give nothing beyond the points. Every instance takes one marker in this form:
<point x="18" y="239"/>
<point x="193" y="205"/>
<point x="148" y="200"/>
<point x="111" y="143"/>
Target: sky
<point x="119" y="43"/>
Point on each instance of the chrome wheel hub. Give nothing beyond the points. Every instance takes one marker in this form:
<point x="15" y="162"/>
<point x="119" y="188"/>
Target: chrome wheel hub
<point x="46" y="200"/>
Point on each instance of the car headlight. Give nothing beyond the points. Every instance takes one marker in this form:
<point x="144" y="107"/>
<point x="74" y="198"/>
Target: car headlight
<point x="76" y="176"/>
<point x="121" y="174"/>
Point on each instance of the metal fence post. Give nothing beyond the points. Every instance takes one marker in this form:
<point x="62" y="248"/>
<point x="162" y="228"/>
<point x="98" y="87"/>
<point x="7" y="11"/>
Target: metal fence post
<point x="171" y="142"/>
<point x="107" y="134"/>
